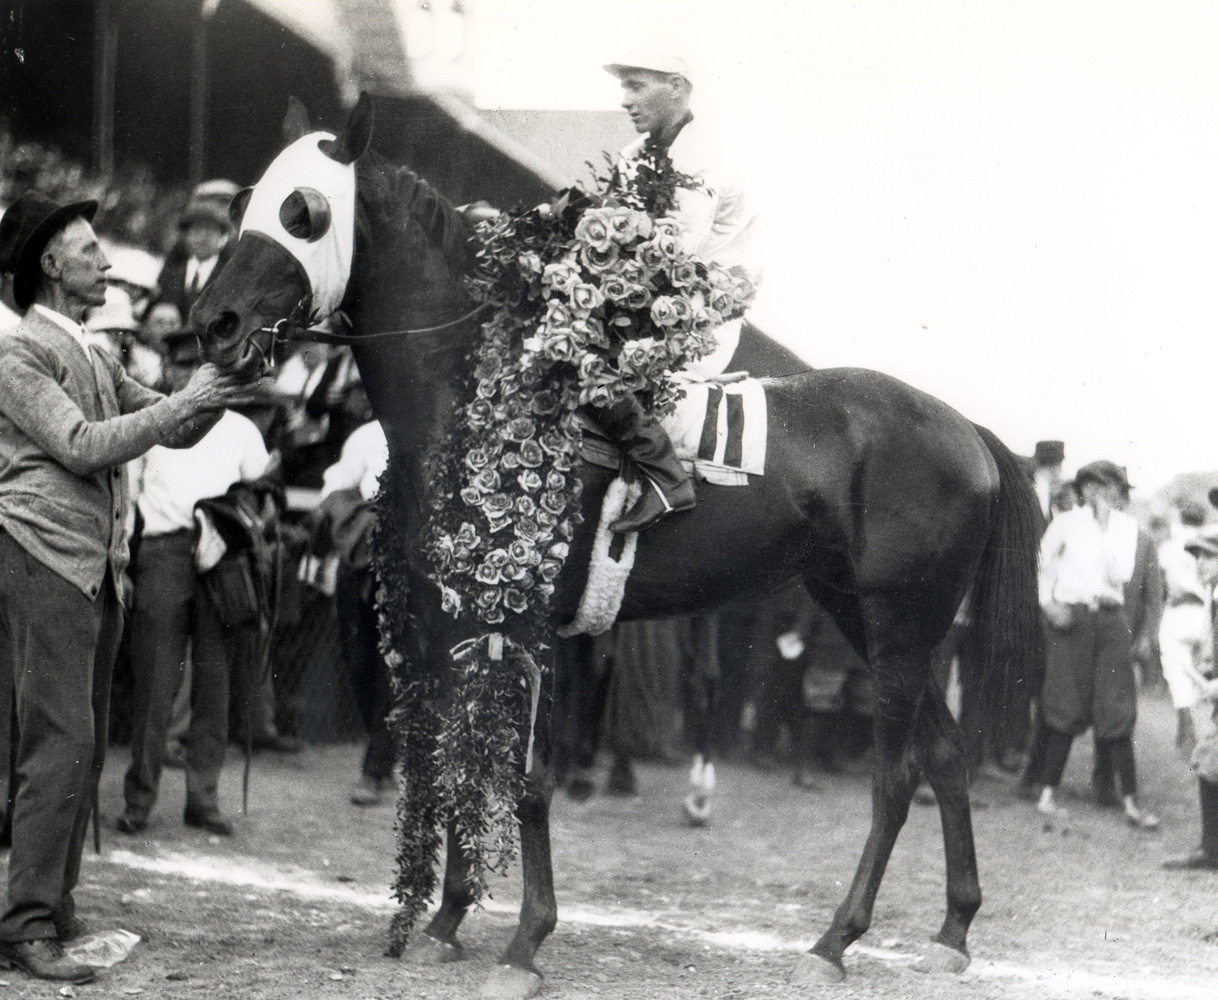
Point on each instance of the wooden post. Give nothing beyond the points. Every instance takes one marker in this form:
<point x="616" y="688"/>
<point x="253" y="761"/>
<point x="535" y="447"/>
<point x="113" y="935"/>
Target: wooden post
<point x="105" y="62"/>
<point x="197" y="158"/>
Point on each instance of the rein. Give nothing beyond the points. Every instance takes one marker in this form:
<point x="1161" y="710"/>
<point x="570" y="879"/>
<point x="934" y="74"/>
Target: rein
<point x="289" y="329"/>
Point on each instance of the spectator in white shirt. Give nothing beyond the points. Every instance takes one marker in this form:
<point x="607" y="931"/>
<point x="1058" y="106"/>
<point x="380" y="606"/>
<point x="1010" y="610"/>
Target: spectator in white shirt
<point x="1185" y="627"/>
<point x="1087" y="557"/>
<point x="173" y="611"/>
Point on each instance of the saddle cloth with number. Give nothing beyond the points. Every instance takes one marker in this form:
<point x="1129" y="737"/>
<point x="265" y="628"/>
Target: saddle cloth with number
<point x="718" y="430"/>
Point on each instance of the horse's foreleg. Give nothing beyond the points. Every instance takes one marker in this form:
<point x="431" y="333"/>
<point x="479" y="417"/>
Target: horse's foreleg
<point x="438" y="943"/>
<point x="895" y="775"/>
<point x="516" y="976"/>
<point x="945" y="770"/>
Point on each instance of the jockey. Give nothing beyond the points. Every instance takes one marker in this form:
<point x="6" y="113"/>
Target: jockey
<point x="716" y="224"/>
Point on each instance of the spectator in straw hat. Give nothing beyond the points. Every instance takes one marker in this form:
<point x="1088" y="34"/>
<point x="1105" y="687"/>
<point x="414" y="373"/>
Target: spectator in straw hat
<point x="1087" y="558"/>
<point x="717" y="224"/>
<point x="205" y="244"/>
<point x="1204" y="547"/>
<point x="69" y="420"/>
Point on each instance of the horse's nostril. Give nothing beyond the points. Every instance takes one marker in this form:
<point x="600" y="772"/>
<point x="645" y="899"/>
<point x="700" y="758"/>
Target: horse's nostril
<point x="223" y="327"/>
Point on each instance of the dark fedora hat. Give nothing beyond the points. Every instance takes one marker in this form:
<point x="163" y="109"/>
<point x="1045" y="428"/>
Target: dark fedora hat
<point x="1049" y="453"/>
<point x="26" y="228"/>
<point x="1102" y="471"/>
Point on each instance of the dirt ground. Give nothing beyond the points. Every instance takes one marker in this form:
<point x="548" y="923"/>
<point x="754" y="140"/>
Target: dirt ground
<point x="295" y="905"/>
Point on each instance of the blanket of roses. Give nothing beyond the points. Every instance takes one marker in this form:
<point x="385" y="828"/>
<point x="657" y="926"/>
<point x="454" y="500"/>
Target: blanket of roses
<point x="594" y="297"/>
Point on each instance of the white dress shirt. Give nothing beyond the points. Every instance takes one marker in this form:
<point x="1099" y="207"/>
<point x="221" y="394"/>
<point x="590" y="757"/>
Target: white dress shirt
<point x="1082" y="563"/>
<point x="364" y="457"/>
<point x="170" y="481"/>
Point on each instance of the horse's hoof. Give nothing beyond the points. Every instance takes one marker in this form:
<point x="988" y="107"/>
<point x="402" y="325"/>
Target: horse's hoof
<point x="697" y="809"/>
<point x="812" y="970"/>
<point x="427" y="950"/>
<point x="580" y="789"/>
<point x="508" y="982"/>
<point x="942" y="958"/>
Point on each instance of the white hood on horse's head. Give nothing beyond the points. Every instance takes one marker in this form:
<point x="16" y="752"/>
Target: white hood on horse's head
<point x="326" y="260"/>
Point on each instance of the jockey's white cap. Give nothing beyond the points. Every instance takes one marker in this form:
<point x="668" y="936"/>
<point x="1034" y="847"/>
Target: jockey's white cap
<point x="657" y="62"/>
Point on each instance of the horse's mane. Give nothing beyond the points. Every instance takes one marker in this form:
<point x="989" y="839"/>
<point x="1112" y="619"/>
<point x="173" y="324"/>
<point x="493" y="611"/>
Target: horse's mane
<point x="396" y="189"/>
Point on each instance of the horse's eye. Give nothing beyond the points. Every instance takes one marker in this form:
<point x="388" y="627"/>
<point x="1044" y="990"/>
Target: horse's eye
<point x="305" y="214"/>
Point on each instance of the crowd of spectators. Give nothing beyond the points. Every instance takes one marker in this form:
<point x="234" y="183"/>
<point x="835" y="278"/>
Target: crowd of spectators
<point x="240" y="543"/>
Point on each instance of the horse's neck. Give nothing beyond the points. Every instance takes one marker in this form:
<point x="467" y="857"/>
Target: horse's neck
<point x="407" y="280"/>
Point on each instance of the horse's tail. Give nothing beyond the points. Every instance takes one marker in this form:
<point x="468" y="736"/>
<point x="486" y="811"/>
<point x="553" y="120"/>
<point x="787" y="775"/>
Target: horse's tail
<point x="1004" y="635"/>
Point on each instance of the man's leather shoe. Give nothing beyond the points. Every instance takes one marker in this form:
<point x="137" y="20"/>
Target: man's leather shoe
<point x="652" y="506"/>
<point x="72" y="929"/>
<point x="210" y="820"/>
<point x="130" y="822"/>
<point x="1198" y="860"/>
<point x="279" y="743"/>
<point x="45" y="959"/>
<point x="369" y="791"/>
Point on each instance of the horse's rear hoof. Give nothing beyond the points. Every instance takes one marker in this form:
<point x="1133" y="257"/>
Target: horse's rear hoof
<point x="942" y="958"/>
<point x="508" y="982"/>
<point x="427" y="950"/>
<point x="812" y="970"/>
<point x="697" y="809"/>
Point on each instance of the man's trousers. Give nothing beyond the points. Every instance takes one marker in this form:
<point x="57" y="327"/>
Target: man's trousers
<point x="171" y="612"/>
<point x="61" y="647"/>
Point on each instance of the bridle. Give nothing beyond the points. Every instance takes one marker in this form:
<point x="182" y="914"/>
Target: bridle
<point x="296" y="328"/>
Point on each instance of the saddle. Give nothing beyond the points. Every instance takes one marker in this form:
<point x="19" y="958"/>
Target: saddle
<point x="718" y="430"/>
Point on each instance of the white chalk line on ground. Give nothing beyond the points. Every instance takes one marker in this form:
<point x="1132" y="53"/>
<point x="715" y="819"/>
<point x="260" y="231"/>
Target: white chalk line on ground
<point x="250" y="873"/>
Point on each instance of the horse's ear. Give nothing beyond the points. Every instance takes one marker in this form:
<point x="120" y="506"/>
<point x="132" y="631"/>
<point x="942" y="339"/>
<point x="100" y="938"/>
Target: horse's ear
<point x="351" y="142"/>
<point x="236" y="207"/>
<point x="296" y="121"/>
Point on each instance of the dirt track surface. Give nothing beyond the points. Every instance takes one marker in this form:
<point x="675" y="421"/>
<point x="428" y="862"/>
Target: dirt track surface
<point x="295" y="905"/>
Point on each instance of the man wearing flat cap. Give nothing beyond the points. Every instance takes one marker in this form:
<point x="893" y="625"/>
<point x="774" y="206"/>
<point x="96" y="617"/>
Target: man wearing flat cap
<point x="717" y="225"/>
<point x="205" y="245"/>
<point x="1204" y="762"/>
<point x="69" y="421"/>
<point x="1087" y="558"/>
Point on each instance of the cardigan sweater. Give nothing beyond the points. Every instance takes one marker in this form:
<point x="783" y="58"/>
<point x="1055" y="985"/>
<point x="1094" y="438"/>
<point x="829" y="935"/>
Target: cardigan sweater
<point x="69" y="420"/>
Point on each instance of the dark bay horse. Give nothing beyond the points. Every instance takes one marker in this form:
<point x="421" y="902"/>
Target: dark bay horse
<point x="885" y="502"/>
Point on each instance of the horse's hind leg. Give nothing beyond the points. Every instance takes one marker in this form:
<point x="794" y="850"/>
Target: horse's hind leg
<point x="438" y="943"/>
<point x="895" y="775"/>
<point x="943" y="760"/>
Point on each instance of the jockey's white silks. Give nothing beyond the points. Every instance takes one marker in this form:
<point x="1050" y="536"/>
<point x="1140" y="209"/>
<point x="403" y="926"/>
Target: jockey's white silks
<point x="327" y="261"/>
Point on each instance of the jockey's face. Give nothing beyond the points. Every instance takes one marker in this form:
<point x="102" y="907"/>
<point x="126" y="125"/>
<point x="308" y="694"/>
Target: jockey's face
<point x="656" y="102"/>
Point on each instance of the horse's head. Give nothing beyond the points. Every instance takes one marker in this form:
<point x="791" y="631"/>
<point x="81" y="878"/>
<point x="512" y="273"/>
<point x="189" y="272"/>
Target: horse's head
<point x="293" y="258"/>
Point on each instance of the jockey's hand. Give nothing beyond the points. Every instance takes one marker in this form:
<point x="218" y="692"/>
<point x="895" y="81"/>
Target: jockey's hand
<point x="1061" y="616"/>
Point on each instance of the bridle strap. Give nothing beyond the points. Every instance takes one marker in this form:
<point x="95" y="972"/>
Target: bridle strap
<point x="330" y="337"/>
<point x="286" y="329"/>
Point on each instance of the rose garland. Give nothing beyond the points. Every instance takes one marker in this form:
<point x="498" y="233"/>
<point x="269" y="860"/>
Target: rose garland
<point x="596" y="298"/>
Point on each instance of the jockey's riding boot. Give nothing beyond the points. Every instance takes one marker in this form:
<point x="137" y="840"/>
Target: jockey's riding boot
<point x="667" y="486"/>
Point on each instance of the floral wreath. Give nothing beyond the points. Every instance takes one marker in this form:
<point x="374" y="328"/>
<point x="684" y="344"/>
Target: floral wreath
<point x="596" y="298"/>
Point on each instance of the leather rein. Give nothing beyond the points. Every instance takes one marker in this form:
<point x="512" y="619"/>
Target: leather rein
<point x="291" y="329"/>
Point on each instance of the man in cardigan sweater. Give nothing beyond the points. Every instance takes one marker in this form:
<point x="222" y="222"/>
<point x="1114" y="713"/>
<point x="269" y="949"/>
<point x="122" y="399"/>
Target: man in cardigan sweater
<point x="69" y="420"/>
